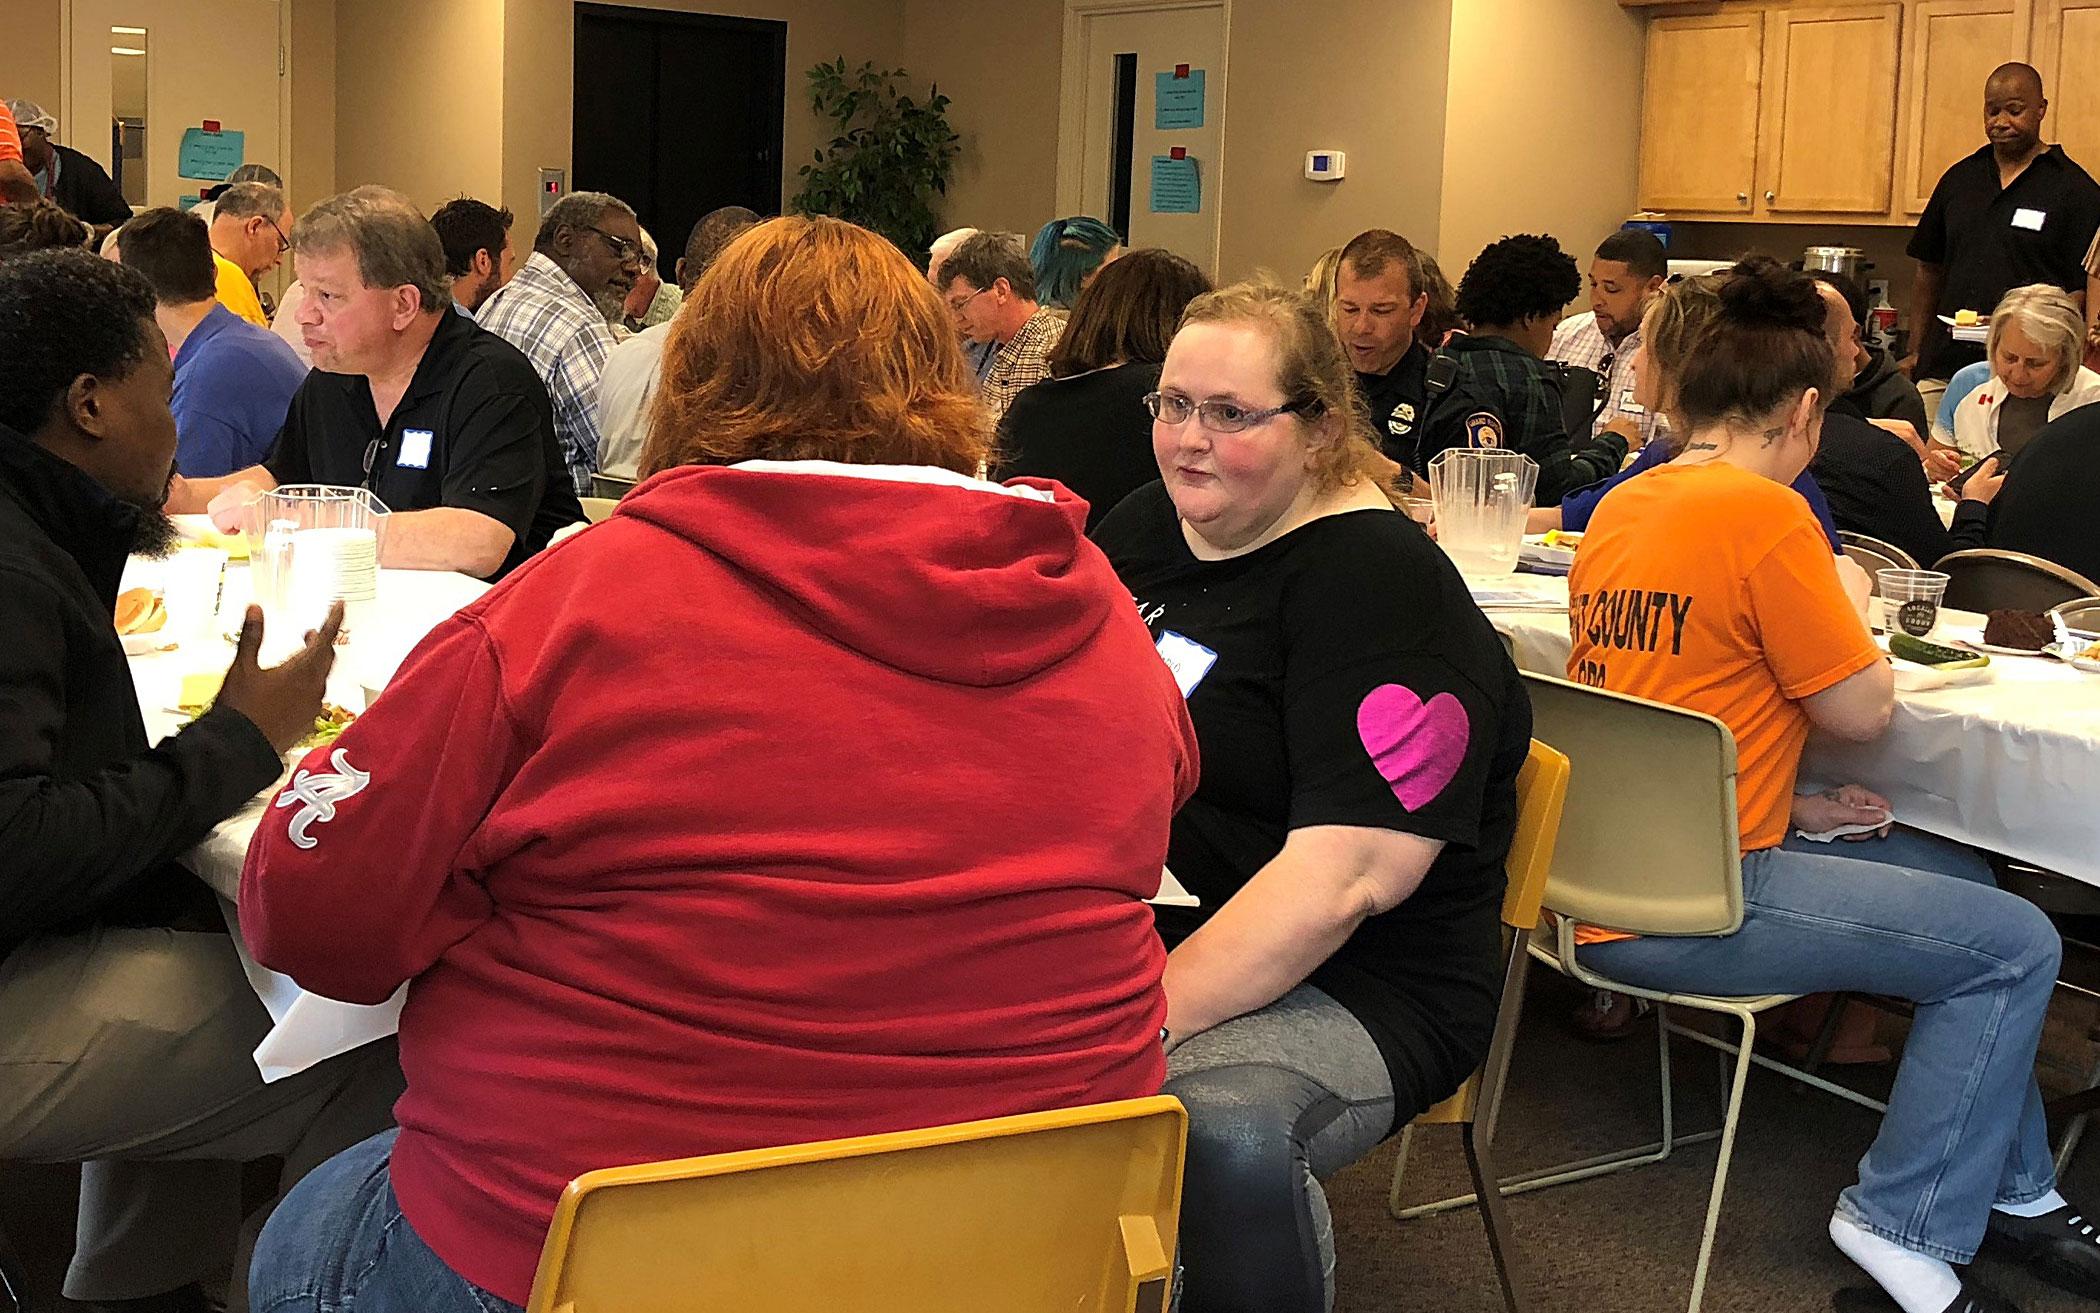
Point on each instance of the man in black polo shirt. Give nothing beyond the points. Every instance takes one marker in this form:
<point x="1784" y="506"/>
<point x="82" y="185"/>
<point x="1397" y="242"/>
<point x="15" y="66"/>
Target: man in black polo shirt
<point x="2015" y="212"/>
<point x="1378" y="306"/>
<point x="445" y="422"/>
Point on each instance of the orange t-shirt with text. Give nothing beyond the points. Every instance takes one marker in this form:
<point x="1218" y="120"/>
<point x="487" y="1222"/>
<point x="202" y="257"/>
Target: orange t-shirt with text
<point x="10" y="138"/>
<point x="1711" y="588"/>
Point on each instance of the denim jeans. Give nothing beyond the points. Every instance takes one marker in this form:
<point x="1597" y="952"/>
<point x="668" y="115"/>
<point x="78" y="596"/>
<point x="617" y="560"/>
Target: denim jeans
<point x="1915" y="918"/>
<point x="339" y="1241"/>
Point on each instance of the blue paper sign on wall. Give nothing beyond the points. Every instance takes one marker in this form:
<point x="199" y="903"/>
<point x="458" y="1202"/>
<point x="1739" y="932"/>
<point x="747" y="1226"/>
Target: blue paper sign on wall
<point x="1175" y="187"/>
<point x="209" y="156"/>
<point x="1177" y="99"/>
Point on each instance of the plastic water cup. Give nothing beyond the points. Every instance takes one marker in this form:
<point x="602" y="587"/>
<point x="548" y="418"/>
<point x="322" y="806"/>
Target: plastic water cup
<point x="1911" y="599"/>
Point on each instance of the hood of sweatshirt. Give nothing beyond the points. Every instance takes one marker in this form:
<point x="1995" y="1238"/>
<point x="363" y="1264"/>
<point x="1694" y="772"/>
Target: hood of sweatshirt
<point x="923" y="570"/>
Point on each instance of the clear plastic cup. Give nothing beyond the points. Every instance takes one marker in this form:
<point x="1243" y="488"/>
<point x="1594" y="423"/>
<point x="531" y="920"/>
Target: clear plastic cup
<point x="1911" y="599"/>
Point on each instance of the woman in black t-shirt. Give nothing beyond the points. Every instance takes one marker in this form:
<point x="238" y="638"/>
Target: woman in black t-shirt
<point x="1361" y="729"/>
<point x="1086" y="425"/>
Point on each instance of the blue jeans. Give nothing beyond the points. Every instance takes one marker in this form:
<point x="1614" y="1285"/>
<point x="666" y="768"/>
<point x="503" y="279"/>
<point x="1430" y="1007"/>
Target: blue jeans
<point x="339" y="1241"/>
<point x="1916" y="918"/>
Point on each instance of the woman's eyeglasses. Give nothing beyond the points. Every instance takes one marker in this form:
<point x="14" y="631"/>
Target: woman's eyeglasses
<point x="1221" y="416"/>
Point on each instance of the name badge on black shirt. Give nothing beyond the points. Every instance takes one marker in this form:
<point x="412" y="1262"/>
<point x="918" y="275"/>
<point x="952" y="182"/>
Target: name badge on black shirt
<point x="415" y="449"/>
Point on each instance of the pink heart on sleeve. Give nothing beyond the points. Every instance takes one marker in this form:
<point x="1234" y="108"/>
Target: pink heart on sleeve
<point x="1416" y="746"/>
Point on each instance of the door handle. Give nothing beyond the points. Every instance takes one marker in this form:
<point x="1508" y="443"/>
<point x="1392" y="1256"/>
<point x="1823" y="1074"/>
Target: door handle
<point x="1742" y="198"/>
<point x="1770" y="197"/>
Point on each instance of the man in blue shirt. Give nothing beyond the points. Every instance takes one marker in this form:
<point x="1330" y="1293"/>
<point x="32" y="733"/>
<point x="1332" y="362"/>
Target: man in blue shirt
<point x="233" y="380"/>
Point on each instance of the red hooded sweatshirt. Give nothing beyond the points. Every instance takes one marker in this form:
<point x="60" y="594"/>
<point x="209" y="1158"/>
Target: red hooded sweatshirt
<point x="786" y="804"/>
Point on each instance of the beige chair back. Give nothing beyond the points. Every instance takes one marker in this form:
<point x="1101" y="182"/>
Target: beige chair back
<point x="610" y="485"/>
<point x="1872" y="554"/>
<point x="2083" y="614"/>
<point x="1648" y="838"/>
<point x="1988" y="579"/>
<point x="598" y="509"/>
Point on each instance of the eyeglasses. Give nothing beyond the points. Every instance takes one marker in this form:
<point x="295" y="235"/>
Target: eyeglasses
<point x="623" y="250"/>
<point x="1221" y="416"/>
<point x="284" y="243"/>
<point x="958" y="307"/>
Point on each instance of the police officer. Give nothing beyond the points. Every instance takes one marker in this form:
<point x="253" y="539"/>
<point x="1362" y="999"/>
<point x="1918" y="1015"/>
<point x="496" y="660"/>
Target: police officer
<point x="1379" y="301"/>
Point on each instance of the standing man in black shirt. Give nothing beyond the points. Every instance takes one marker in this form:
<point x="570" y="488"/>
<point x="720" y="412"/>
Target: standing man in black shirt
<point x="445" y="422"/>
<point x="2015" y="212"/>
<point x="1379" y="300"/>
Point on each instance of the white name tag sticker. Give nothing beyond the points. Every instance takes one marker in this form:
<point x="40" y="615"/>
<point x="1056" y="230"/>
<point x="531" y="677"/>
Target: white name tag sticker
<point x="2032" y="220"/>
<point x="1188" y="659"/>
<point x="415" y="449"/>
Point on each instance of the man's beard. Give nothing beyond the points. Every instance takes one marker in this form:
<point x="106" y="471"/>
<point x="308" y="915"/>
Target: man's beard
<point x="154" y="534"/>
<point x="612" y="303"/>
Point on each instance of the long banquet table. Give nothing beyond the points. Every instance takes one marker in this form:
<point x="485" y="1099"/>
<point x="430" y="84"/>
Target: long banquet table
<point x="2011" y="765"/>
<point x="410" y="604"/>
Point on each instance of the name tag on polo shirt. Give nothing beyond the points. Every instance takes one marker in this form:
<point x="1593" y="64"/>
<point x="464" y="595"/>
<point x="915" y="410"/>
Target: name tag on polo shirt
<point x="415" y="449"/>
<point x="2032" y="220"/>
<point x="1188" y="659"/>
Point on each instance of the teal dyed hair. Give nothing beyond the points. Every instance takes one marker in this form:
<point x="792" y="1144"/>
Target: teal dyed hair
<point x="1064" y="253"/>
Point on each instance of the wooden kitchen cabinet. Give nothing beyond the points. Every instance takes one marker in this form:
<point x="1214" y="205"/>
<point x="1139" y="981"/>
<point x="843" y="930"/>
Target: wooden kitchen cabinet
<point x="2067" y="54"/>
<point x="1828" y="128"/>
<point x="1699" y="113"/>
<point x="1950" y="48"/>
<point x="1803" y="111"/>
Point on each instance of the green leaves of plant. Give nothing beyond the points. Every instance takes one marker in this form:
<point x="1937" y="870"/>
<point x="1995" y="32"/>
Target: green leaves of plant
<point x="893" y="154"/>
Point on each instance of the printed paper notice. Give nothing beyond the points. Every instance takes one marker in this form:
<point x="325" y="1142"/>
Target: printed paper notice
<point x="1175" y="189"/>
<point x="209" y="156"/>
<point x="1177" y="100"/>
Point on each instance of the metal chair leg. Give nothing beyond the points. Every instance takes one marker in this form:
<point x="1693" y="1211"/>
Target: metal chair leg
<point x="1729" y="1120"/>
<point x="14" y="1283"/>
<point x="1494" y="1216"/>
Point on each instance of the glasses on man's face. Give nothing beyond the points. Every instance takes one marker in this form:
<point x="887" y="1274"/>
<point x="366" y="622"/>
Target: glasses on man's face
<point x="284" y="243"/>
<point x="1219" y="416"/>
<point x="956" y="306"/>
<point x="626" y="252"/>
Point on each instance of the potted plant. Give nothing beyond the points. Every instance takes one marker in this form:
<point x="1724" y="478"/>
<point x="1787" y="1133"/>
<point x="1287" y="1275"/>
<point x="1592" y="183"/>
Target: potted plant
<point x="893" y="154"/>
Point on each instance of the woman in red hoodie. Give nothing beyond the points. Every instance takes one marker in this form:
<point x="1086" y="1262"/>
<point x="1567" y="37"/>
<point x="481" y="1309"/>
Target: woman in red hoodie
<point x="815" y="793"/>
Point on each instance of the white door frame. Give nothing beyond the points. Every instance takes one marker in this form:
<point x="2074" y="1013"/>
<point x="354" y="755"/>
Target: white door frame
<point x="1071" y="116"/>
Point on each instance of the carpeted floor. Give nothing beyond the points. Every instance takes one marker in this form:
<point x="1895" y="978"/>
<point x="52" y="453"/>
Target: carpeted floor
<point x="1620" y="1244"/>
<point x="1626" y="1243"/>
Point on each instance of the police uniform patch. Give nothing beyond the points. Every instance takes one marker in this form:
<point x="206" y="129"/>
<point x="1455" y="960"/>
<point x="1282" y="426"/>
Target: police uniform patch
<point x="1483" y="429"/>
<point x="1405" y="410"/>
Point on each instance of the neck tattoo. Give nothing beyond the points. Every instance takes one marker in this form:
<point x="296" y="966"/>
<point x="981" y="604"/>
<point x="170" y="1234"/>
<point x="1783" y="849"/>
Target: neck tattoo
<point x="1703" y="446"/>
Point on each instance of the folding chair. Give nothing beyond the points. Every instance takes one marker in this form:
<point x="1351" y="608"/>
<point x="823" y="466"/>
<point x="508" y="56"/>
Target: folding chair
<point x="1542" y="786"/>
<point x="1069" y="1211"/>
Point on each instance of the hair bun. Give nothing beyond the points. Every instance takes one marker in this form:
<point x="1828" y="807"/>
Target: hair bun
<point x="1760" y="292"/>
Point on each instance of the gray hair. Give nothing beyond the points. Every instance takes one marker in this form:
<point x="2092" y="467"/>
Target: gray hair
<point x="984" y="258"/>
<point x="245" y="200"/>
<point x="577" y="210"/>
<point x="2048" y="316"/>
<point x="394" y="244"/>
<point x="254" y="173"/>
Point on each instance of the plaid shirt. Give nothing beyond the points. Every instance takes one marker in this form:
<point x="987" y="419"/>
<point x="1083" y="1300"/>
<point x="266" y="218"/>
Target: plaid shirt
<point x="1022" y="361"/>
<point x="542" y="312"/>
<point x="1577" y="341"/>
<point x="1502" y="395"/>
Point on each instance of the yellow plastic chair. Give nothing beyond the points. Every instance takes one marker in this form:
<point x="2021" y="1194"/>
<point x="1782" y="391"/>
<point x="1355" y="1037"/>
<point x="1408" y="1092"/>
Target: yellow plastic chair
<point x="1667" y="777"/>
<point x="1542" y="787"/>
<point x="1069" y="1211"/>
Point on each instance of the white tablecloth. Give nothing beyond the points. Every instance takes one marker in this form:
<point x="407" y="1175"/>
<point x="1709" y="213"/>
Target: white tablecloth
<point x="411" y="603"/>
<point x="2011" y="765"/>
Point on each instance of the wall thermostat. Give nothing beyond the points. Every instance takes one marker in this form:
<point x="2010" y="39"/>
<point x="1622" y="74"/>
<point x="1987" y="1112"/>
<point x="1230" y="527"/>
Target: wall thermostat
<point x="1325" y="165"/>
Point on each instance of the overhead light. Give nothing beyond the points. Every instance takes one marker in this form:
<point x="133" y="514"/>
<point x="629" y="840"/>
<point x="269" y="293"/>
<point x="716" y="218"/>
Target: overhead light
<point x="127" y="31"/>
<point x="125" y="50"/>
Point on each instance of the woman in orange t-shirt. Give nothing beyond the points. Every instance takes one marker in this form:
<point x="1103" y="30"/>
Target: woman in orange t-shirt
<point x="1707" y="584"/>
